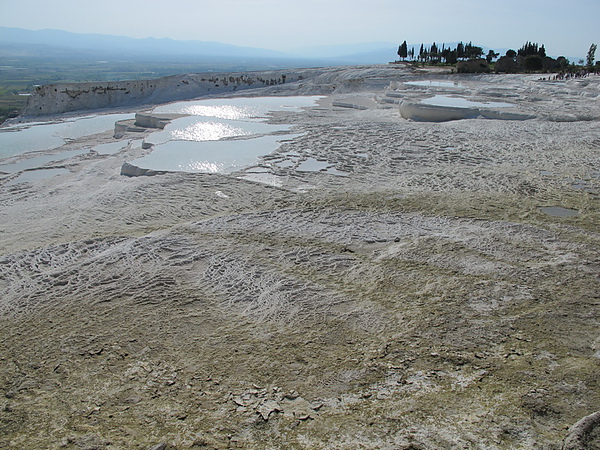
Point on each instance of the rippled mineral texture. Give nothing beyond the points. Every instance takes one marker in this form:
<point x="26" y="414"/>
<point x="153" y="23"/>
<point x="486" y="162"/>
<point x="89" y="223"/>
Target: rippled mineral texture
<point x="412" y="294"/>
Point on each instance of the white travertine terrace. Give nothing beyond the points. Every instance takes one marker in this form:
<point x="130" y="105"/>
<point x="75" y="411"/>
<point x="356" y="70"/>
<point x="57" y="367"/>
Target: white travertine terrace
<point x="430" y="298"/>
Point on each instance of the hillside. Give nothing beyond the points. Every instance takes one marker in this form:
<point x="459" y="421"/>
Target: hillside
<point x="373" y="283"/>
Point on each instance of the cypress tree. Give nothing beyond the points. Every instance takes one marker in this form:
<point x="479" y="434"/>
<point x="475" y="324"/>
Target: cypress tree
<point x="403" y="51"/>
<point x="460" y="50"/>
<point x="591" y="55"/>
<point x="434" y="53"/>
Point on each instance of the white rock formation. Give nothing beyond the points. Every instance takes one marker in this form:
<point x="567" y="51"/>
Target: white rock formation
<point x="435" y="113"/>
<point x="68" y="97"/>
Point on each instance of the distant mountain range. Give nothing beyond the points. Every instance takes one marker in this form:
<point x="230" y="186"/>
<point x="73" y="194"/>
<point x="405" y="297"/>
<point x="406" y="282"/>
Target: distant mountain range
<point x="18" y="42"/>
<point x="62" y="45"/>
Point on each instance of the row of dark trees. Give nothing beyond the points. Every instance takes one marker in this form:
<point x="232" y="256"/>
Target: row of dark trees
<point x="530" y="56"/>
<point x="448" y="55"/>
<point x="531" y="48"/>
<point x="436" y="54"/>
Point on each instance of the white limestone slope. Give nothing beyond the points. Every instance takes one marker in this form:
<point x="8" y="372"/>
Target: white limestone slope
<point x="69" y="97"/>
<point x="426" y="299"/>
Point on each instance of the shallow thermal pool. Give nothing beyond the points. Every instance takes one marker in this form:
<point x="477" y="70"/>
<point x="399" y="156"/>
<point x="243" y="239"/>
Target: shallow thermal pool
<point x="200" y="129"/>
<point x="459" y="102"/>
<point x="444" y="84"/>
<point x="35" y="175"/>
<point x="239" y="108"/>
<point x="39" y="161"/>
<point x="220" y="135"/>
<point x="210" y="156"/>
<point x="32" y="137"/>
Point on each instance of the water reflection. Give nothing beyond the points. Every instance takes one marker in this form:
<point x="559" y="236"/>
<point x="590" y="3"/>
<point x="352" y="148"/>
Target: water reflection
<point x="199" y="129"/>
<point x="39" y="161"/>
<point x="31" y="137"/>
<point x="196" y="143"/>
<point x="459" y="102"/>
<point x="221" y="112"/>
<point x="36" y="175"/>
<point x="312" y="165"/>
<point x="239" y="108"/>
<point x="202" y="166"/>
<point x="450" y="84"/>
<point x="209" y="156"/>
<point x="207" y="131"/>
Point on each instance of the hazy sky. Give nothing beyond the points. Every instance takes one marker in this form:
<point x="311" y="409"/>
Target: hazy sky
<point x="566" y="27"/>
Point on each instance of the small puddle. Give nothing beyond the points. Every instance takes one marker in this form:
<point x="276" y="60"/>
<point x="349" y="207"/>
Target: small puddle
<point x="38" y="161"/>
<point x="284" y="164"/>
<point x="110" y="148"/>
<point x="36" y="175"/>
<point x="588" y="185"/>
<point x="337" y="173"/>
<point x="558" y="211"/>
<point x="313" y="165"/>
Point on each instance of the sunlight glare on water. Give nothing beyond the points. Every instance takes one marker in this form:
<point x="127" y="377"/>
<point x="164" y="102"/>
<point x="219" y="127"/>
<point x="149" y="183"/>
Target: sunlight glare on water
<point x="200" y="129"/>
<point x="221" y="112"/>
<point x="239" y="108"/>
<point x="207" y="131"/>
<point x="202" y="166"/>
<point x="210" y="156"/>
<point x="195" y="143"/>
